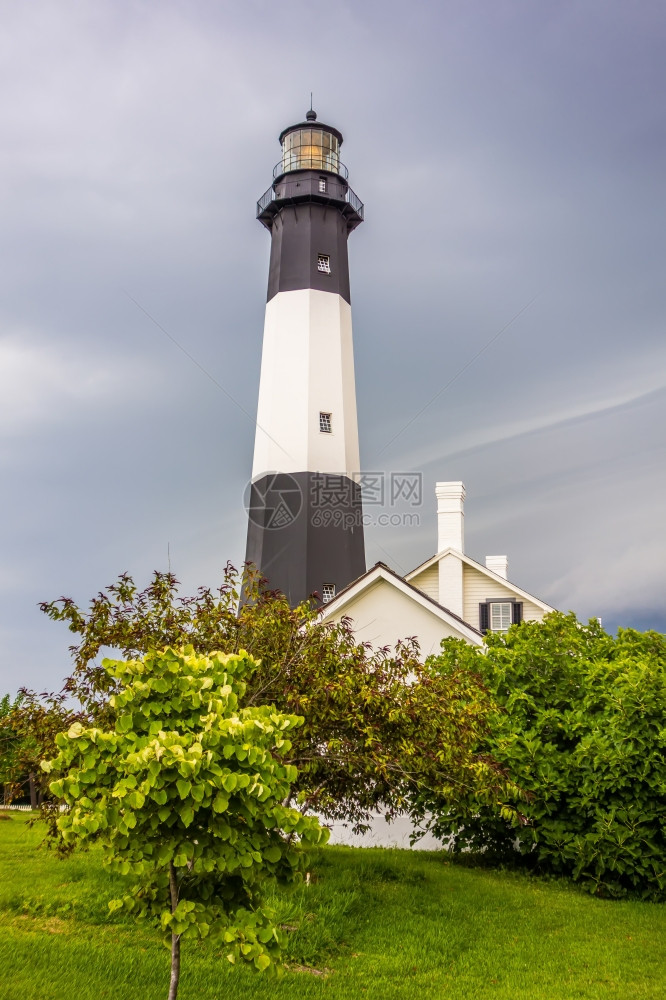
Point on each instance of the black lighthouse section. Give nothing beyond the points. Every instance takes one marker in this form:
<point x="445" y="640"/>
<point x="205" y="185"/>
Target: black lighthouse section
<point x="305" y="532"/>
<point x="301" y="234"/>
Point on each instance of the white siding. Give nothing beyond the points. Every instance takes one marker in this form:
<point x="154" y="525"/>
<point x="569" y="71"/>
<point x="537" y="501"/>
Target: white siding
<point x="428" y="581"/>
<point x="478" y="588"/>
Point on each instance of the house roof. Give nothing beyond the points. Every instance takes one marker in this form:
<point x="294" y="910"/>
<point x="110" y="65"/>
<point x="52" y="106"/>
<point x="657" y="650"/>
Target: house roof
<point x="380" y="571"/>
<point x="482" y="569"/>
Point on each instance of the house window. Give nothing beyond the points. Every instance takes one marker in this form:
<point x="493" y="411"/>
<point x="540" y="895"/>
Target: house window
<point x="322" y="184"/>
<point x="324" y="263"/>
<point x="327" y="592"/>
<point x="498" y="616"/>
<point x="325" y="425"/>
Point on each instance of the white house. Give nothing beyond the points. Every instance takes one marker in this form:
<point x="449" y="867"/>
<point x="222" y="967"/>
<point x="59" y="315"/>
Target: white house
<point x="449" y="595"/>
<point x="386" y="607"/>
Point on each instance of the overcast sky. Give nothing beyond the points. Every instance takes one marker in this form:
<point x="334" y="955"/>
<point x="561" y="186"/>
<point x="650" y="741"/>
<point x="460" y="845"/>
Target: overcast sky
<point x="511" y="157"/>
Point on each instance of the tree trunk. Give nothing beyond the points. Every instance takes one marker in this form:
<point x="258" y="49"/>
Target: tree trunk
<point x="175" y="938"/>
<point x="33" y="791"/>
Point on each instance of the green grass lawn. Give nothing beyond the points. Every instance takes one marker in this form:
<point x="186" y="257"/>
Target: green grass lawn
<point x="378" y="923"/>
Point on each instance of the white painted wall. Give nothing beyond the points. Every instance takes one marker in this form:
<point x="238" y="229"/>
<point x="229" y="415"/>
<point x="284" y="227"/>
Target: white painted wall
<point x="451" y="585"/>
<point x="307" y="367"/>
<point x="383" y="834"/>
<point x="382" y="615"/>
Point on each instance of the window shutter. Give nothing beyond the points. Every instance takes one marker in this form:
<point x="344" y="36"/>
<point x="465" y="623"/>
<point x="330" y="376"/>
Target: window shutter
<point x="517" y="615"/>
<point x="484" y="623"/>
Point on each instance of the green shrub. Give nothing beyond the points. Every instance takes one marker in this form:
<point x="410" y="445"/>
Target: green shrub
<point x="580" y="726"/>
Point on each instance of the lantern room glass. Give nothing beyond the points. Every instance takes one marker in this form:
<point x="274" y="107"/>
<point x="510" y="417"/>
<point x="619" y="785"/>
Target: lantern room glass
<point x="310" y="149"/>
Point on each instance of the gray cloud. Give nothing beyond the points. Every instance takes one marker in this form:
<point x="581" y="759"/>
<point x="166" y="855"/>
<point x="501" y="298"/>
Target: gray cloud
<point x="504" y="150"/>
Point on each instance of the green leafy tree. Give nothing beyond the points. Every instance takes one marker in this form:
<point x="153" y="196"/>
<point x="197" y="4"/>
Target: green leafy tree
<point x="580" y="727"/>
<point x="382" y="731"/>
<point x="28" y="727"/>
<point x="185" y="794"/>
<point x="9" y="747"/>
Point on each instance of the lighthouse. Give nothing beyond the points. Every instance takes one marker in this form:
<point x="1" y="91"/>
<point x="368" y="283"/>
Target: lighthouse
<point x="305" y="519"/>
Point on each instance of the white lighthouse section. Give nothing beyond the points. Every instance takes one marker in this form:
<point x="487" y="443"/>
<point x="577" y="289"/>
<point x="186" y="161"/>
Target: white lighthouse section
<point x="307" y="369"/>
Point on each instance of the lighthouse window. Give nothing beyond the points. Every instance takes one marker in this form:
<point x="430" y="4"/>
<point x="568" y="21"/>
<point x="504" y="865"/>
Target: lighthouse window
<point x="325" y="425"/>
<point x="324" y="263"/>
<point x="322" y="184"/>
<point x="327" y="592"/>
<point x="311" y="149"/>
